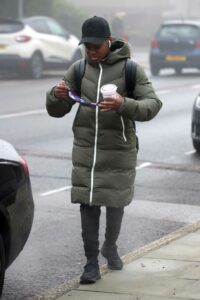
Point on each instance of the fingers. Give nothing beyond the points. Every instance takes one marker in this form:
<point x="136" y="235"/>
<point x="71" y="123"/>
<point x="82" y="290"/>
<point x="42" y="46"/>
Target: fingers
<point x="109" y="104"/>
<point x="61" y="90"/>
<point x="106" y="105"/>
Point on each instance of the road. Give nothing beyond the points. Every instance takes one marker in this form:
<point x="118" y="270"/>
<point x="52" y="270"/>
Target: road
<point x="166" y="189"/>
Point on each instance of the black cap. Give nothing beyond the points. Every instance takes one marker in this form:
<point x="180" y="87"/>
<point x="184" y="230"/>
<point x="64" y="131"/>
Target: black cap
<point x="95" y="30"/>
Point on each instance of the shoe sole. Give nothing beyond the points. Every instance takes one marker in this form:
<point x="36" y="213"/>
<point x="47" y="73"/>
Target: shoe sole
<point x="110" y="266"/>
<point x="114" y="268"/>
<point x="90" y="281"/>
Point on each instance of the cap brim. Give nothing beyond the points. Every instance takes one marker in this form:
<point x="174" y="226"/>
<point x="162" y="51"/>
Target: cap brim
<point x="92" y="40"/>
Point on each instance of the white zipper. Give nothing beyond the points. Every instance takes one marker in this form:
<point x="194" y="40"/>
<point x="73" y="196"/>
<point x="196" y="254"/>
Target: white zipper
<point x="95" y="139"/>
<point x="123" y="129"/>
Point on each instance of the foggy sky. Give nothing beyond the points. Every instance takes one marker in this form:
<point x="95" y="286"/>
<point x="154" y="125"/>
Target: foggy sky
<point x="173" y="8"/>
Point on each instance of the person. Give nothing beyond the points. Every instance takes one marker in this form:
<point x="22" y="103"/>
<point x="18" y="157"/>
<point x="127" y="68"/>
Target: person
<point x="104" y="153"/>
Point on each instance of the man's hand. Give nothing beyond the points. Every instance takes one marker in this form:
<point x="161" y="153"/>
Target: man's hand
<point x="61" y="90"/>
<point x="111" y="103"/>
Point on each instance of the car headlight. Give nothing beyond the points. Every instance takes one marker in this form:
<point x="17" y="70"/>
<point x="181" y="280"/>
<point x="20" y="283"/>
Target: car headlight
<point x="197" y="102"/>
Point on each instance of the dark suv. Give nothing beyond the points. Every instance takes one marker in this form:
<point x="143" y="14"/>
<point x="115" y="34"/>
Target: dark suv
<point x="176" y="45"/>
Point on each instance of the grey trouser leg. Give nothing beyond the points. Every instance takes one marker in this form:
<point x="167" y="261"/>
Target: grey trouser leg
<point x="113" y="224"/>
<point x="90" y="216"/>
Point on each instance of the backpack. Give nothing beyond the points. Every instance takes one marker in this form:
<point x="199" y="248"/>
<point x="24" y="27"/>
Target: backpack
<point x="130" y="80"/>
<point x="130" y="75"/>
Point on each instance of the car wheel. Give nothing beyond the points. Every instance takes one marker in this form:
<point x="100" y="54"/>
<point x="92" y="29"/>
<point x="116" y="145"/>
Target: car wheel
<point x="77" y="55"/>
<point x="2" y="264"/>
<point x="196" y="145"/>
<point x="154" y="70"/>
<point x="36" y="66"/>
<point x="178" y="70"/>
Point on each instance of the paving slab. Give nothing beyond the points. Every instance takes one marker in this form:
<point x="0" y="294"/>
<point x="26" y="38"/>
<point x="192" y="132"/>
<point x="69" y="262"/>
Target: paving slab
<point x="192" y="291"/>
<point x="185" y="248"/>
<point x="128" y="281"/>
<point x="79" y="295"/>
<point x="167" y="269"/>
<point x="192" y="273"/>
<point x="158" y="267"/>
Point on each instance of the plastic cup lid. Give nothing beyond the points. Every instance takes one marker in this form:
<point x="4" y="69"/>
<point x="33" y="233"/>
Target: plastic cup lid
<point x="109" y="88"/>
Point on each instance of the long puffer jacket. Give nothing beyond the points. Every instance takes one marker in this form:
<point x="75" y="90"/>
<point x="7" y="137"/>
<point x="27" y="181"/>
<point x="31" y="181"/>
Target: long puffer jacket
<point x="104" y="148"/>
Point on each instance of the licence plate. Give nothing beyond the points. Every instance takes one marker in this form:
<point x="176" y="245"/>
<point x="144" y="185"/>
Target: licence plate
<point x="2" y="46"/>
<point x="175" y="58"/>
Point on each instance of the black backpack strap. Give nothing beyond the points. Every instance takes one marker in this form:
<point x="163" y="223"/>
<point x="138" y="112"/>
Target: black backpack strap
<point x="130" y="76"/>
<point x="79" y="69"/>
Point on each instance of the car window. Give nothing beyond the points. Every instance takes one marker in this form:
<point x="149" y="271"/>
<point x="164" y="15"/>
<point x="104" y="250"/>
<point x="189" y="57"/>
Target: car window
<point x="181" y="31"/>
<point x="56" y="29"/>
<point x="6" y="27"/>
<point x="39" y="26"/>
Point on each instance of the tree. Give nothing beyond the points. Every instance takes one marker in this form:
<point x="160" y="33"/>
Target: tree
<point x="38" y="7"/>
<point x="9" y="9"/>
<point x="68" y="15"/>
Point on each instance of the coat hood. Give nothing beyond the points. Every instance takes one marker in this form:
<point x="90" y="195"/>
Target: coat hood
<point x="119" y="50"/>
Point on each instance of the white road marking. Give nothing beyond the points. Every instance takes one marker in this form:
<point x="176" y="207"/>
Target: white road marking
<point x="56" y="191"/>
<point x="23" y="114"/>
<point x="196" y="86"/>
<point x="143" y="165"/>
<point x="190" y="152"/>
<point x="163" y="92"/>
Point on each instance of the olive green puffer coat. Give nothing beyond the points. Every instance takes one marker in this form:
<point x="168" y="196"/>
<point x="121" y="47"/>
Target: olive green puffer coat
<point x="104" y="149"/>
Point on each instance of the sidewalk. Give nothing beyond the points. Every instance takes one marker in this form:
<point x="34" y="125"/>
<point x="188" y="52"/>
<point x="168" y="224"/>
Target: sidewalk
<point x="168" y="268"/>
<point x="171" y="271"/>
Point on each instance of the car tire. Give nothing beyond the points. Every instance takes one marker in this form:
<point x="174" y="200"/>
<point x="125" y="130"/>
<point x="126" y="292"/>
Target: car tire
<point x="2" y="264"/>
<point x="196" y="145"/>
<point x="154" y="70"/>
<point x="36" y="66"/>
<point x="178" y="70"/>
<point x="77" y="55"/>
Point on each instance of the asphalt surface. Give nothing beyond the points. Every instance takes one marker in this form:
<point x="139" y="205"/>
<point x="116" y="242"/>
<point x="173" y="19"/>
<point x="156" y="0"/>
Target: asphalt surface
<point x="166" y="189"/>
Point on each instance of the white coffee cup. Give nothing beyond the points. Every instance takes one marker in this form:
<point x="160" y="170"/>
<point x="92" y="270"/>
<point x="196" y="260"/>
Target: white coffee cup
<point x="109" y="90"/>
